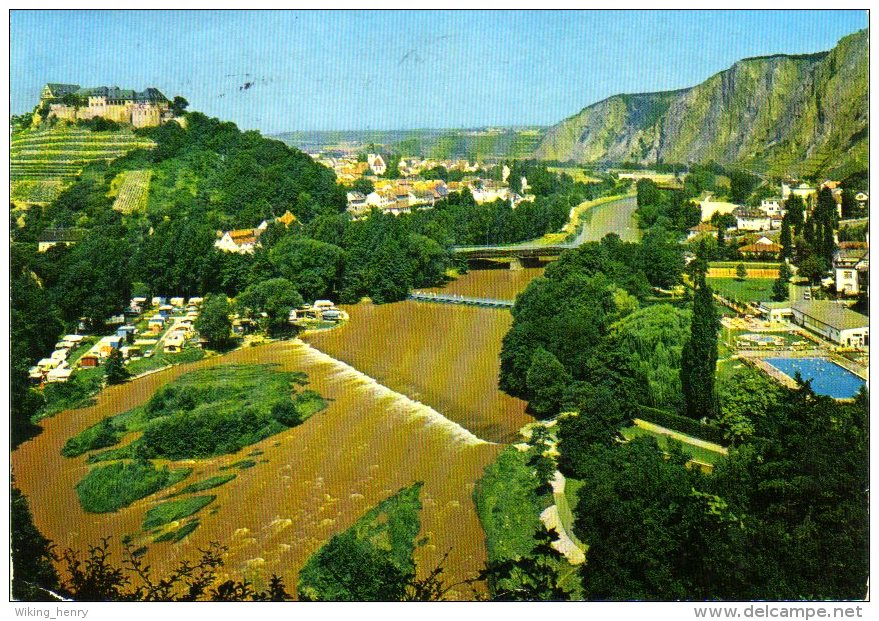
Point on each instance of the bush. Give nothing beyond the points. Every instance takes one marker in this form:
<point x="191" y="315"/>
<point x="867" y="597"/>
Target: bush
<point x="175" y="510"/>
<point x="97" y="436"/>
<point x="683" y="424"/>
<point x="108" y="488"/>
<point x="372" y="560"/>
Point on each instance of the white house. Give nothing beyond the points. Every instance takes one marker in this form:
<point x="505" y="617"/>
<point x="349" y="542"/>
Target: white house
<point x="772" y="207"/>
<point x="851" y="269"/>
<point x="752" y="220"/>
<point x="376" y="163"/>
<point x="241" y="241"/>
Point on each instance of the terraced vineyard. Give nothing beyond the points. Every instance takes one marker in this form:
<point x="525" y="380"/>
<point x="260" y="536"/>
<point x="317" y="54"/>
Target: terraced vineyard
<point x="44" y="162"/>
<point x="133" y="191"/>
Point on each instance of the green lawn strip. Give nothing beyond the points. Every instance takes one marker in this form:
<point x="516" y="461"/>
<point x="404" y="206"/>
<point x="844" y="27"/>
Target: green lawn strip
<point x="159" y="360"/>
<point x="114" y="486"/>
<point x="564" y="502"/>
<point x="210" y="483"/>
<point x="757" y="265"/>
<point x="748" y="290"/>
<point x="174" y="510"/>
<point x="697" y="453"/>
<point x="372" y="559"/>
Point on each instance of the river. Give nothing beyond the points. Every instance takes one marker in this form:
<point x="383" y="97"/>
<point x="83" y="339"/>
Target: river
<point x="413" y="396"/>
<point x="613" y="217"/>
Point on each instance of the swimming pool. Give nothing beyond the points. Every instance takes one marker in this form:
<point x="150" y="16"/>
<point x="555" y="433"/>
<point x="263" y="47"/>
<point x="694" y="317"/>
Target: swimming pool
<point x="828" y="378"/>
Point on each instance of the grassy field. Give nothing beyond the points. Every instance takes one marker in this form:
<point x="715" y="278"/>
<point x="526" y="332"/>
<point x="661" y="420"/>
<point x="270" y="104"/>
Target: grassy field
<point x="695" y="452"/>
<point x="372" y="559"/>
<point x="207" y="412"/>
<point x="577" y="174"/>
<point x="111" y="487"/>
<point x="748" y="290"/>
<point x="44" y="161"/>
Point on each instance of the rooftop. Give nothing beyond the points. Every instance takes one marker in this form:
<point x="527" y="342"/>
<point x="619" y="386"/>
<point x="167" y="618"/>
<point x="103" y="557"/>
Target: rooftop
<point x="833" y="314"/>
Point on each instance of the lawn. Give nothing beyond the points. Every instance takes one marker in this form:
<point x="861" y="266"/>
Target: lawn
<point x="695" y="452"/>
<point x="161" y="359"/>
<point x="748" y="290"/>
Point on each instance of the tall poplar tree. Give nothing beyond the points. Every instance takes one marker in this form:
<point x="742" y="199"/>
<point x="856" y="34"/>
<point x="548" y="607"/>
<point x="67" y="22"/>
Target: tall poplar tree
<point x="699" y="354"/>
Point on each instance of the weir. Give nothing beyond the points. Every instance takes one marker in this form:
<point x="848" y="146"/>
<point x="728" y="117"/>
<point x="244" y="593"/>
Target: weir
<point x="393" y="401"/>
<point x="460" y="299"/>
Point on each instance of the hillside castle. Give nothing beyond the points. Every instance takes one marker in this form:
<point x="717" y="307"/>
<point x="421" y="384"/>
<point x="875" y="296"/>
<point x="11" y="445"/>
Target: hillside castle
<point x="70" y="102"/>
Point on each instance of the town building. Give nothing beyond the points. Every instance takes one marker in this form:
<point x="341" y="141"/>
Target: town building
<point x="763" y="248"/>
<point x="70" y="102"/>
<point x="752" y="220"/>
<point x="833" y="321"/>
<point x="851" y="268"/>
<point x="59" y="236"/>
<point x="376" y="164"/>
<point x="703" y="228"/>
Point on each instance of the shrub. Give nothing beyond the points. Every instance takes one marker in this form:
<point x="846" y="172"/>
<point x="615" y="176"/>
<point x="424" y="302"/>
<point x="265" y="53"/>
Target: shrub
<point x="108" y="488"/>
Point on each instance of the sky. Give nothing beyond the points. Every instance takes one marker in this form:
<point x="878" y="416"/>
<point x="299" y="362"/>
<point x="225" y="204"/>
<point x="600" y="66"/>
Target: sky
<point x="314" y="70"/>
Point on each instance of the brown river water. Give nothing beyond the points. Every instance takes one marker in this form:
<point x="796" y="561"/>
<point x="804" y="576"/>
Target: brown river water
<point x="413" y="397"/>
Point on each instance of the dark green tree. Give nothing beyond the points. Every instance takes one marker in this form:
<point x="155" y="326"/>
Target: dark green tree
<point x="699" y="355"/>
<point x="786" y="240"/>
<point x="213" y="321"/>
<point x="115" y="370"/>
<point x="741" y="272"/>
<point x="546" y="380"/>
<point x="179" y="105"/>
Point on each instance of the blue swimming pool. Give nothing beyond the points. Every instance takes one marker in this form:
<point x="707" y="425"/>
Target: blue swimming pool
<point x="828" y="378"/>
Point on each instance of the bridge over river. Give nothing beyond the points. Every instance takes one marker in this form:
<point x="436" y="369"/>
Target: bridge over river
<point x="459" y="299"/>
<point x="613" y="217"/>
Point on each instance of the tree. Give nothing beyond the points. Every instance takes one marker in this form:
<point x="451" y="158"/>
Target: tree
<point x="275" y="297"/>
<point x="179" y="105"/>
<point x="699" y="355"/>
<point x="546" y="381"/>
<point x="363" y="185"/>
<point x="795" y="208"/>
<point x="213" y="321"/>
<point x="813" y="268"/>
<point x="741" y="272"/>
<point x="115" y="371"/>
<point x="780" y="290"/>
<point x="787" y="244"/>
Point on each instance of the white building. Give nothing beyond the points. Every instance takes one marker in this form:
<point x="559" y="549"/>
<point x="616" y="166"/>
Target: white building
<point x="833" y="321"/>
<point x="752" y="220"/>
<point x="376" y="163"/>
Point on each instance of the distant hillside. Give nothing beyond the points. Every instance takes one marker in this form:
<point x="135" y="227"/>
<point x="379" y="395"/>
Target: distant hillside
<point x="805" y="115"/>
<point x="481" y="144"/>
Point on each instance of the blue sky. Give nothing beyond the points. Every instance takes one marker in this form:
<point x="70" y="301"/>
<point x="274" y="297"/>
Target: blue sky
<point x="389" y="70"/>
